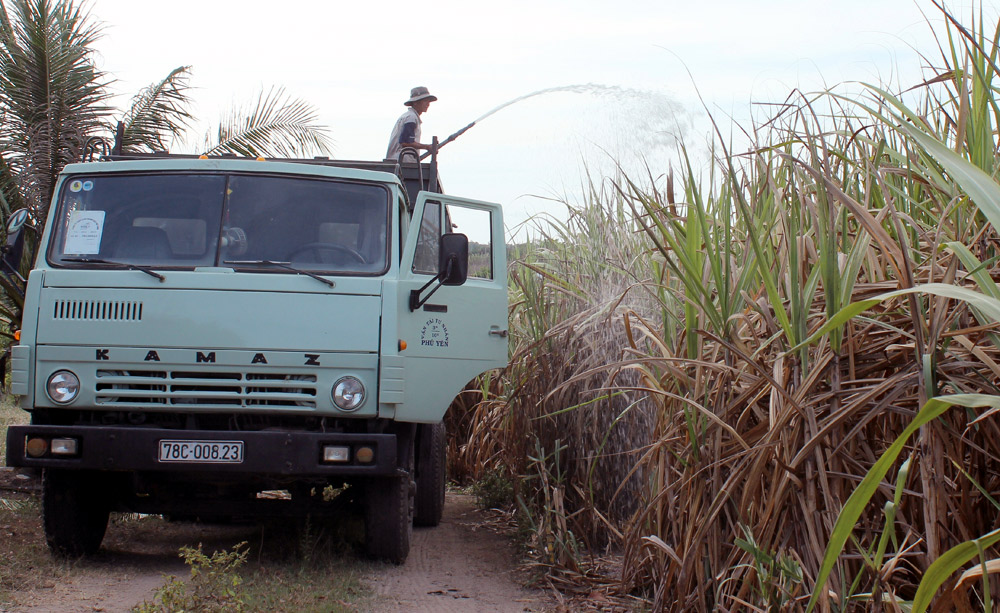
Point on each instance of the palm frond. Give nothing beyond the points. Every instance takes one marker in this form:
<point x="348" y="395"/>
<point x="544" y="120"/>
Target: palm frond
<point x="51" y="94"/>
<point x="276" y="126"/>
<point x="6" y="32"/>
<point x="158" y="113"/>
<point x="10" y="192"/>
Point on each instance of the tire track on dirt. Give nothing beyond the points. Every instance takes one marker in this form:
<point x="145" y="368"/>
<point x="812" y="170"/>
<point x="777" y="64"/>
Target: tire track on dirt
<point x="457" y="567"/>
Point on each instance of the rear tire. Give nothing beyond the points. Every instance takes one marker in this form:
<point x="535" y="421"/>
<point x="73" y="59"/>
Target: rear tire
<point x="389" y="518"/>
<point x="75" y="510"/>
<point x="431" y="460"/>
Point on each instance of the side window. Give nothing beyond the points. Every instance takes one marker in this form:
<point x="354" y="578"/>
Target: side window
<point x="477" y="225"/>
<point x="425" y="258"/>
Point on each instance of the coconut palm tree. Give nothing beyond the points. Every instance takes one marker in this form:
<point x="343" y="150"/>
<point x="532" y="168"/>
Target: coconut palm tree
<point x="276" y="125"/>
<point x="158" y="114"/>
<point x="52" y="96"/>
<point x="53" y="99"/>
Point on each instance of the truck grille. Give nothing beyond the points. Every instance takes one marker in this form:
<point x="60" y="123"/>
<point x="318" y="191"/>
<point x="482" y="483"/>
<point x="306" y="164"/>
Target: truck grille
<point x="205" y="389"/>
<point x="98" y="310"/>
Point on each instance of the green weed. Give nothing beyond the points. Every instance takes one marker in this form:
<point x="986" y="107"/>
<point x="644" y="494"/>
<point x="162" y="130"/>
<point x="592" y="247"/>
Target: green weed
<point x="494" y="490"/>
<point x="543" y="507"/>
<point x="222" y="582"/>
<point x="215" y="584"/>
<point x="779" y="576"/>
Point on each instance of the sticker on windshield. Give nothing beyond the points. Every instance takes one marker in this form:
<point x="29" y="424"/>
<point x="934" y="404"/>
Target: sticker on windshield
<point x="88" y="185"/>
<point x="76" y="186"/>
<point x="84" y="233"/>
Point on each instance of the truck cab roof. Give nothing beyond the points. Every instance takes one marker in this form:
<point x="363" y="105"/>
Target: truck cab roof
<point x="414" y="177"/>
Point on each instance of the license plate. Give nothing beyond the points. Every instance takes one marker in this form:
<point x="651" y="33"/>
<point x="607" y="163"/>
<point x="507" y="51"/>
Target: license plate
<point x="226" y="452"/>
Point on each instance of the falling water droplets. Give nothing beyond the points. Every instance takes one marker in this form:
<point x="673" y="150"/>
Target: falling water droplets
<point x="651" y="118"/>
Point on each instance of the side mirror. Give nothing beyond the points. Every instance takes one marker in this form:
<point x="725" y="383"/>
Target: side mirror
<point x="453" y="267"/>
<point x="13" y="249"/>
<point x="16" y="221"/>
<point x="453" y="259"/>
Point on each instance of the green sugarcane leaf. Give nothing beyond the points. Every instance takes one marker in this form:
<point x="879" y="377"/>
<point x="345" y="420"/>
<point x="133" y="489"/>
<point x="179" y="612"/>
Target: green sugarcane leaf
<point x="946" y="565"/>
<point x="977" y="271"/>
<point x="987" y="305"/>
<point x="981" y="188"/>
<point x="855" y="505"/>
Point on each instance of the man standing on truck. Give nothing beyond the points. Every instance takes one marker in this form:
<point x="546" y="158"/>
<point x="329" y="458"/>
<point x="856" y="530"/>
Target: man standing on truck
<point x="406" y="132"/>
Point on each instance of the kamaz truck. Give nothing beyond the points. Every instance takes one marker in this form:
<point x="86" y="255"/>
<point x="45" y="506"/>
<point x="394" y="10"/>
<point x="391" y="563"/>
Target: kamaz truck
<point x="222" y="337"/>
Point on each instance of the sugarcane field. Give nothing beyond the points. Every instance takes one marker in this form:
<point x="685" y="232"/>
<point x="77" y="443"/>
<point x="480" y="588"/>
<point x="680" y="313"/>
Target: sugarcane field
<point x="700" y="312"/>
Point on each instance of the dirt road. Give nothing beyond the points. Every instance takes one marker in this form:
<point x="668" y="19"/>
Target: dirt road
<point x="462" y="565"/>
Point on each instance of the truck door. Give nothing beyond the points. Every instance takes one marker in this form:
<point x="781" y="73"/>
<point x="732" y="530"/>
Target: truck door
<point x="461" y="331"/>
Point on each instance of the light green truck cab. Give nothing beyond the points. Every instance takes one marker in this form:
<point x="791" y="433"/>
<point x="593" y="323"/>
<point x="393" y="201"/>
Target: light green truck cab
<point x="199" y="331"/>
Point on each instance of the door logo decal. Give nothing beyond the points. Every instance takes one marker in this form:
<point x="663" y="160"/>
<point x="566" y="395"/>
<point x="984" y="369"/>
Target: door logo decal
<point x="434" y="334"/>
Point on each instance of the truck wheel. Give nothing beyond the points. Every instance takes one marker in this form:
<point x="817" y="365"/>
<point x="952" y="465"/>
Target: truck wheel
<point x="75" y="511"/>
<point x="431" y="460"/>
<point x="389" y="518"/>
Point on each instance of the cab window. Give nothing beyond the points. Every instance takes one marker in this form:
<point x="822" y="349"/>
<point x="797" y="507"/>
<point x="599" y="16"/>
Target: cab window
<point x="425" y="258"/>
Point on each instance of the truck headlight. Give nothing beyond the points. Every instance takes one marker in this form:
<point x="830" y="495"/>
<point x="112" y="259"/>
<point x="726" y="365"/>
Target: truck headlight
<point x="63" y="387"/>
<point x="348" y="393"/>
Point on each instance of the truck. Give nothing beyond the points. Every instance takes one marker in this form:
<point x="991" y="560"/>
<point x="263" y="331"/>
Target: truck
<point x="223" y="337"/>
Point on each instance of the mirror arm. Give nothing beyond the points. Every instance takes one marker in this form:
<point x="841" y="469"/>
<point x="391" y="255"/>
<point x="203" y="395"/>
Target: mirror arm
<point x="4" y="250"/>
<point x="415" y="301"/>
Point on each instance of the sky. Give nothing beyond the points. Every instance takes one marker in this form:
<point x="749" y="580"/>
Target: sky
<point x="633" y="78"/>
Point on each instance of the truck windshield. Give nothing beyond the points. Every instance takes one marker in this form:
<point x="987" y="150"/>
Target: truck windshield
<point x="184" y="220"/>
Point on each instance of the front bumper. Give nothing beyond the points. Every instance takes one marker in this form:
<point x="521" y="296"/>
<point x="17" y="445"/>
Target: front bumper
<point x="265" y="453"/>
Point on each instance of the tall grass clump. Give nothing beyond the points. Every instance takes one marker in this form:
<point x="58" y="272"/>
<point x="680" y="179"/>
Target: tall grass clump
<point x="688" y="385"/>
<point x="557" y="420"/>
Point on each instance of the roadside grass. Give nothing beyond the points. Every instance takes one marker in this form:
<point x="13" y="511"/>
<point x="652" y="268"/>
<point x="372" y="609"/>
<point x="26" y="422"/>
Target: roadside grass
<point x="280" y="575"/>
<point x="24" y="558"/>
<point x="334" y="585"/>
<point x="310" y="565"/>
<point x="494" y="490"/>
<point x="285" y="566"/>
<point x="282" y="567"/>
<point x="295" y="567"/>
<point x="304" y="566"/>
<point x="10" y="415"/>
<point x="220" y="582"/>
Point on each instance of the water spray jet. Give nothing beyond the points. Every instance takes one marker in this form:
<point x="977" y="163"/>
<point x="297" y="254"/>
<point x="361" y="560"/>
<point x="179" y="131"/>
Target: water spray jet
<point x="585" y="88"/>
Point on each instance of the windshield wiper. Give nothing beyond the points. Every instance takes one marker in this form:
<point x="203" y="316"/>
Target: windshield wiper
<point x="125" y="265"/>
<point x="284" y="265"/>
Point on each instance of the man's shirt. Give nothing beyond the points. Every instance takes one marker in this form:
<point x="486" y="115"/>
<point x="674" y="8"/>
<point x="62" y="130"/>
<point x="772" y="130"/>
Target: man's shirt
<point x="406" y="130"/>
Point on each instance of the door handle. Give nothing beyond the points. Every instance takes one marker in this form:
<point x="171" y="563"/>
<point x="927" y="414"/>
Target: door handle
<point x="498" y="332"/>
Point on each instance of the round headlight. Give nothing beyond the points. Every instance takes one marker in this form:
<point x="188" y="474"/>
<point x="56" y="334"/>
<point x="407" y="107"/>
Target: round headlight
<point x="63" y="387"/>
<point x="348" y="394"/>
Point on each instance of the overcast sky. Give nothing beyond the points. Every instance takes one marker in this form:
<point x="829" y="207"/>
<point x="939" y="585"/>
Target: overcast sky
<point x="356" y="61"/>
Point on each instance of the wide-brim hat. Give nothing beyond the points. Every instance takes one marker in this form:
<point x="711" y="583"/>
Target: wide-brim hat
<point x="419" y="93"/>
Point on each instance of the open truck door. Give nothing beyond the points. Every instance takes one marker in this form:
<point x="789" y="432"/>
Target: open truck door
<point x="458" y="329"/>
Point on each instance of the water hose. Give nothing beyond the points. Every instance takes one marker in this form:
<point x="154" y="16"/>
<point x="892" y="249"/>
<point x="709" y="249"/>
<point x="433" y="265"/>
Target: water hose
<point x="450" y="138"/>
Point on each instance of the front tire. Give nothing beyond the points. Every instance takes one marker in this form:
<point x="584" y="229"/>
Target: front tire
<point x="389" y="518"/>
<point x="431" y="460"/>
<point x="75" y="510"/>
